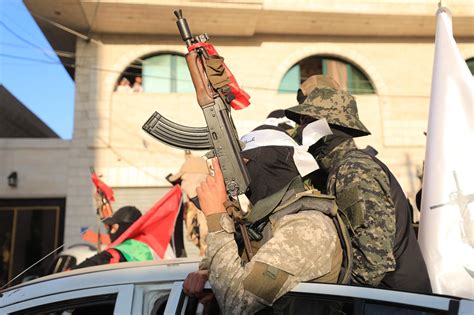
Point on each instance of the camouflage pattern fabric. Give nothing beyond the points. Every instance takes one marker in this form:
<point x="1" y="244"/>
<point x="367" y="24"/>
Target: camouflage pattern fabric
<point x="196" y="227"/>
<point x="337" y="106"/>
<point x="318" y="81"/>
<point x="301" y="249"/>
<point x="362" y="193"/>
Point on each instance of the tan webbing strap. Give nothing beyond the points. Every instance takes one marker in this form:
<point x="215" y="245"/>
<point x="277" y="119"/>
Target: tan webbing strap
<point x="346" y="268"/>
<point x="216" y="73"/>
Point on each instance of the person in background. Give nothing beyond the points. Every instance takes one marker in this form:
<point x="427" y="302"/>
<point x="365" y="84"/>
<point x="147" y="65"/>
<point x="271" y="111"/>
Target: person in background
<point x="129" y="250"/>
<point x="192" y="172"/>
<point x="124" y="86"/>
<point x="137" y="85"/>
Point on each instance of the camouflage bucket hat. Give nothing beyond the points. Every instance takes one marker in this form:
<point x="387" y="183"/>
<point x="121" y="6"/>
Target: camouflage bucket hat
<point x="337" y="106"/>
<point x="318" y="81"/>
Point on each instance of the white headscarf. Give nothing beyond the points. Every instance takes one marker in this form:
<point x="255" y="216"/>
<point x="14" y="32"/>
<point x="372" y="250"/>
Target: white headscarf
<point x="304" y="161"/>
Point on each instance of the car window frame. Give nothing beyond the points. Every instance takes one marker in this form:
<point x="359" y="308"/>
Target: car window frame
<point x="123" y="303"/>
<point x="174" y="298"/>
<point x="376" y="294"/>
<point x="143" y="300"/>
<point x="178" y="301"/>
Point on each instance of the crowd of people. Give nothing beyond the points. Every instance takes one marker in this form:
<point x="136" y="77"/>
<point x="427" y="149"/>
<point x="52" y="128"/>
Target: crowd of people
<point x="323" y="210"/>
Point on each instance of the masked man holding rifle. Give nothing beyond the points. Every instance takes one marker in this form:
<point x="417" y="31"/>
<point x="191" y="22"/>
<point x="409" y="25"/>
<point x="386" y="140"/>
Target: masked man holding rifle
<point x="299" y="239"/>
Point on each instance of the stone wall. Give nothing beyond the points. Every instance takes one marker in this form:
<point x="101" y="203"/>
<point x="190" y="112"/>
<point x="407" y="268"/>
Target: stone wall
<point x="108" y="135"/>
<point x="41" y="167"/>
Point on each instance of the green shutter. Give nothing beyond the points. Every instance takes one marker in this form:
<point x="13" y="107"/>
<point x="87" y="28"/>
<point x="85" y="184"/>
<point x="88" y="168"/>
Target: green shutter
<point x="359" y="83"/>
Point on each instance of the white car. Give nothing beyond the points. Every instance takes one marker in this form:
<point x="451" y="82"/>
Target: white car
<point x="155" y="287"/>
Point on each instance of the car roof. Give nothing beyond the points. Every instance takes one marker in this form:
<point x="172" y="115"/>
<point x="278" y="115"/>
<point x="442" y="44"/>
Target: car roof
<point x="156" y="271"/>
<point x="176" y="270"/>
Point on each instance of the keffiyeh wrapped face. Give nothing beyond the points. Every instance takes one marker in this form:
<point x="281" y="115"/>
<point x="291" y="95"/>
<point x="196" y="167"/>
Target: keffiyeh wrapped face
<point x="270" y="169"/>
<point x="274" y="158"/>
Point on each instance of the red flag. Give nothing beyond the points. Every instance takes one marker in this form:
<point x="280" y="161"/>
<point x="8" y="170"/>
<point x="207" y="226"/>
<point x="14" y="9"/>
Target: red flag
<point x="155" y="227"/>
<point x="241" y="99"/>
<point x="100" y="185"/>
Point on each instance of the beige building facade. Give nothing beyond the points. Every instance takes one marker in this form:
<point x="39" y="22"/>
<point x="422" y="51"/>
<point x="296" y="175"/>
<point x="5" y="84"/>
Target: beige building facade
<point x="391" y="42"/>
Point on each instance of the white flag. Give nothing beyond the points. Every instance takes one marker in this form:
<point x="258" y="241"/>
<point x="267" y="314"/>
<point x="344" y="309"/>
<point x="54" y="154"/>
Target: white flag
<point x="447" y="217"/>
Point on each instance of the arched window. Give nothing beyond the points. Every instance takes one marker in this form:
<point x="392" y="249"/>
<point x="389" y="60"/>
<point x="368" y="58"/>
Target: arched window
<point x="162" y="73"/>
<point x="347" y="75"/>
<point x="470" y="65"/>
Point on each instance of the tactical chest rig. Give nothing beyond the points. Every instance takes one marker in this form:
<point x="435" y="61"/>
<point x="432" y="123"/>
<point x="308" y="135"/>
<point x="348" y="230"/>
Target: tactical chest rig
<point x="294" y="201"/>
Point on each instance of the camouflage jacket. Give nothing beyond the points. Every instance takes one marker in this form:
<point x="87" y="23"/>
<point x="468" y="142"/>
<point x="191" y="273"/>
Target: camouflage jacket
<point x="304" y="247"/>
<point x="362" y="192"/>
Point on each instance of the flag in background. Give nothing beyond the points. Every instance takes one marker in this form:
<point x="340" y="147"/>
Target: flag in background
<point x="446" y="233"/>
<point x="156" y="226"/>
<point x="103" y="187"/>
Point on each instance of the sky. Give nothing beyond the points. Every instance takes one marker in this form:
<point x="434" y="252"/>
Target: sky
<point x="32" y="72"/>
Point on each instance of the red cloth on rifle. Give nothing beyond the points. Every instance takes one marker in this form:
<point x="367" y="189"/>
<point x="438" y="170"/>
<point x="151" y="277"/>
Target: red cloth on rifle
<point x="155" y="227"/>
<point x="241" y="99"/>
<point x="109" y="193"/>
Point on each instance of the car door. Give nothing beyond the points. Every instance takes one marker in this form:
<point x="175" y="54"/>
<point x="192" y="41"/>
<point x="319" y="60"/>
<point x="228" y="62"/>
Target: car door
<point x="317" y="298"/>
<point x="116" y="300"/>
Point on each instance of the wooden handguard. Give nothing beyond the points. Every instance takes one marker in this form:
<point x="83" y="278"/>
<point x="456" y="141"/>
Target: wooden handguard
<point x="204" y="92"/>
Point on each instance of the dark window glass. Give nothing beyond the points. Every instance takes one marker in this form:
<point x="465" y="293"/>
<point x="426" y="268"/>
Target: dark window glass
<point x="101" y="304"/>
<point x="349" y="76"/>
<point x="160" y="305"/>
<point x="192" y="305"/>
<point x="306" y="303"/>
<point x="294" y="303"/>
<point x="6" y="227"/>
<point x="30" y="229"/>
<point x="381" y="308"/>
<point x="290" y="303"/>
<point x="34" y="239"/>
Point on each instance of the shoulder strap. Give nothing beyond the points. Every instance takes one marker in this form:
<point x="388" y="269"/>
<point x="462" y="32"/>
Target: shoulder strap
<point x="346" y="244"/>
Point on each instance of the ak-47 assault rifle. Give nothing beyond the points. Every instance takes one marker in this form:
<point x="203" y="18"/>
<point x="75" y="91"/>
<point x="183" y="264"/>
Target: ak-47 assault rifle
<point x="215" y="91"/>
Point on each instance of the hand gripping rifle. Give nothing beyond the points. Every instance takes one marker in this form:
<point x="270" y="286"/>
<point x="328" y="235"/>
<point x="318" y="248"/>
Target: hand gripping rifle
<point x="216" y="91"/>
